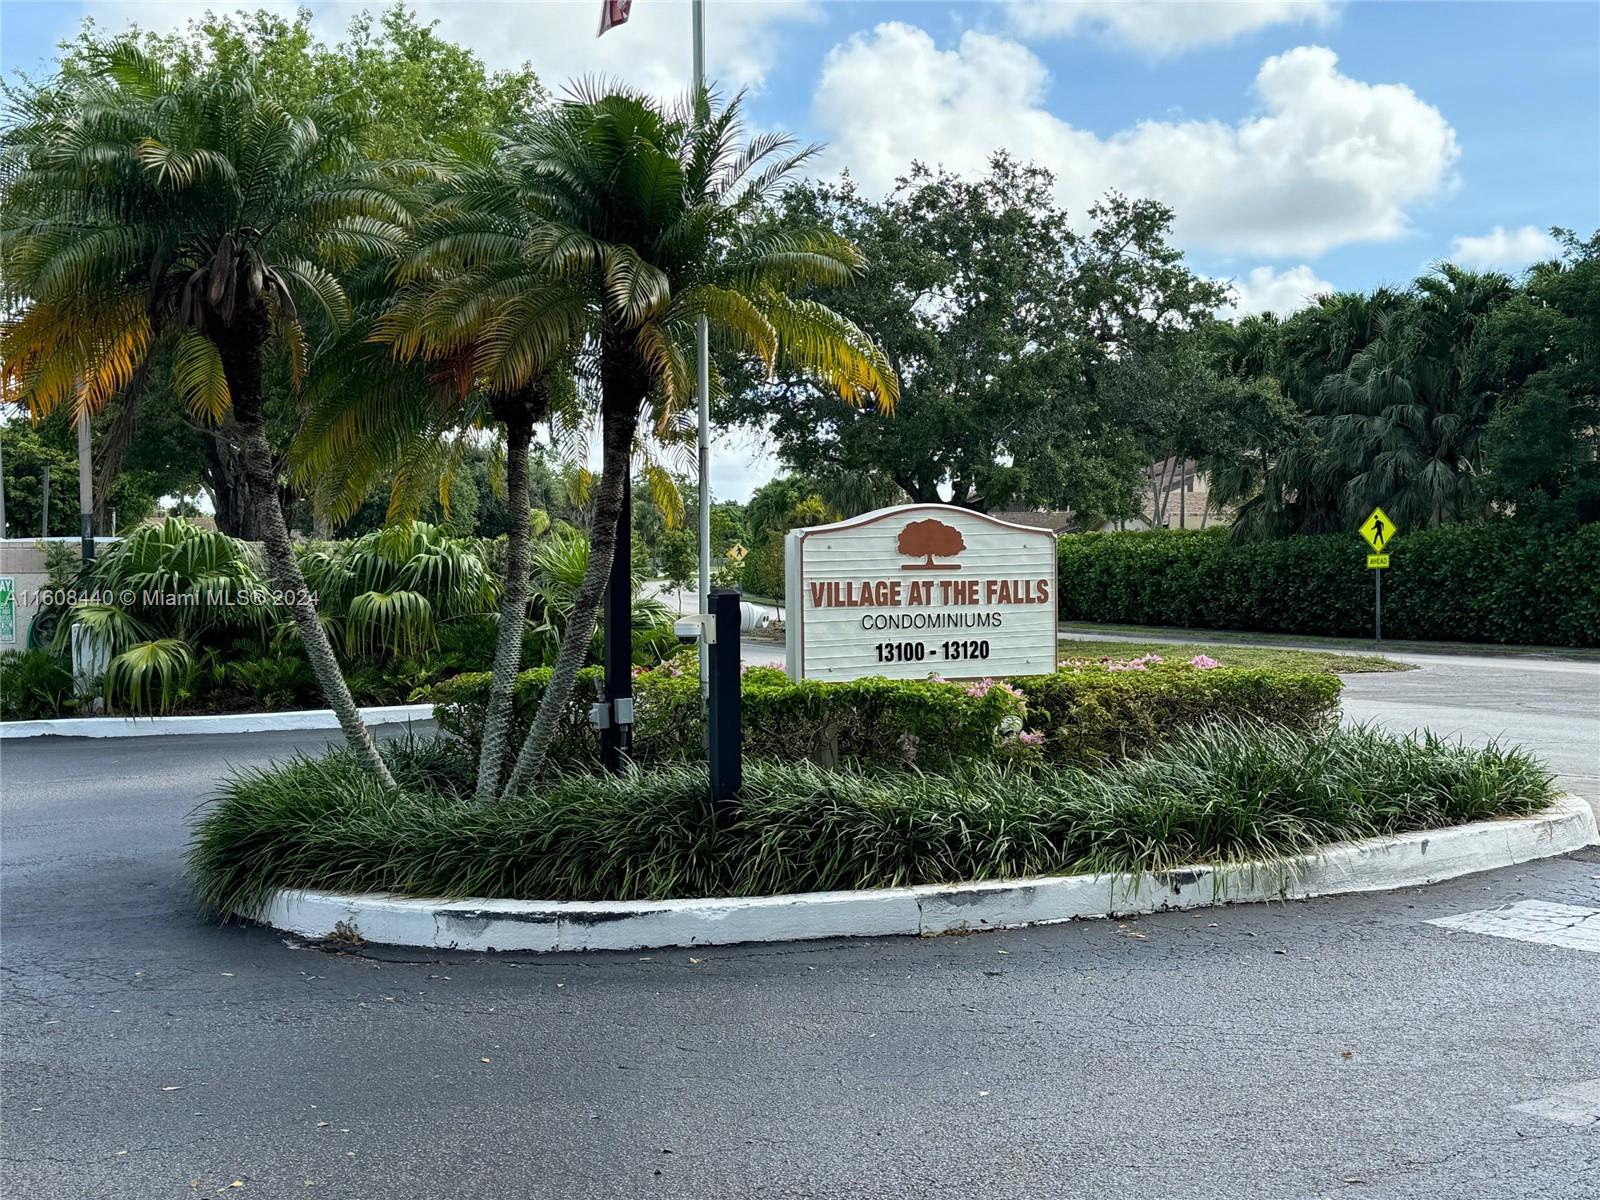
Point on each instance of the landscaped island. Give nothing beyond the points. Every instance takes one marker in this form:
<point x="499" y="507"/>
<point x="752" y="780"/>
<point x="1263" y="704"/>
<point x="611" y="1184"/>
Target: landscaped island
<point x="1124" y="766"/>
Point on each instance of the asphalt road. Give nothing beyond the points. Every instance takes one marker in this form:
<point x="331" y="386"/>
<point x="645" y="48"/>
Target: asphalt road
<point x="1550" y="705"/>
<point x="1341" y="1047"/>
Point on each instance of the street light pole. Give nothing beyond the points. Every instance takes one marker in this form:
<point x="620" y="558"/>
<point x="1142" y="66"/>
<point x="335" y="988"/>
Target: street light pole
<point x="703" y="382"/>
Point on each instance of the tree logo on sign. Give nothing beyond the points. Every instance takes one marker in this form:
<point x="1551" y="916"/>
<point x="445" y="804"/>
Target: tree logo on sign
<point x="927" y="540"/>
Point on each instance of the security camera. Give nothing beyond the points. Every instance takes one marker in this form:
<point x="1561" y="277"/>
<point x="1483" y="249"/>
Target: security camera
<point x="694" y="627"/>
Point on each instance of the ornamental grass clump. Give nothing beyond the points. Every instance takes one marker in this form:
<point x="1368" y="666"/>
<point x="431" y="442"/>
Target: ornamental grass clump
<point x="1225" y="792"/>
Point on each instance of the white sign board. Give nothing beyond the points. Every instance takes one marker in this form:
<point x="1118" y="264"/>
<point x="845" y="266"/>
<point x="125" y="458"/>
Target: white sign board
<point x="920" y="590"/>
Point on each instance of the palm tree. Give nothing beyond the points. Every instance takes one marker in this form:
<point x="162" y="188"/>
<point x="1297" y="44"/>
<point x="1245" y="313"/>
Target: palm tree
<point x="648" y="214"/>
<point x="1322" y="340"/>
<point x="1405" y="418"/>
<point x="185" y="209"/>
<point x="474" y="335"/>
<point x="1295" y="485"/>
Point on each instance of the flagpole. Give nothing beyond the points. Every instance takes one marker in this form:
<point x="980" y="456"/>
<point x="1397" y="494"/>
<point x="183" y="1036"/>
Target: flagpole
<point x="703" y="355"/>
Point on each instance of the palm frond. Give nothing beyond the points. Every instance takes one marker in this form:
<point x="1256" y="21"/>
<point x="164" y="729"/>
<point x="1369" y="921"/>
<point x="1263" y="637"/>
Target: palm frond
<point x="198" y="377"/>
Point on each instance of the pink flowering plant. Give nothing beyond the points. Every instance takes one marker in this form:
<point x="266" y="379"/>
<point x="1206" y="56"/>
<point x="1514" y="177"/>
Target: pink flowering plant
<point x="1019" y="746"/>
<point x="1143" y="662"/>
<point x="984" y="686"/>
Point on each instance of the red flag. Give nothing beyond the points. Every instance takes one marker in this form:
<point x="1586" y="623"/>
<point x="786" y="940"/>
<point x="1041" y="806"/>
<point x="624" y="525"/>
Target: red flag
<point x="613" y="12"/>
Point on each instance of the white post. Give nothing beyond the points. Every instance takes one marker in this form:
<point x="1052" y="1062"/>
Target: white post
<point x="85" y="485"/>
<point x="703" y="349"/>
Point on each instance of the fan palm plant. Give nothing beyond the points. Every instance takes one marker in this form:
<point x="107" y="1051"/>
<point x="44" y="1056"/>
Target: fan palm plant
<point x="389" y="591"/>
<point x="647" y="216"/>
<point x="1404" y="420"/>
<point x="184" y="208"/>
<point x="1295" y="485"/>
<point x="164" y="588"/>
<point x="560" y="563"/>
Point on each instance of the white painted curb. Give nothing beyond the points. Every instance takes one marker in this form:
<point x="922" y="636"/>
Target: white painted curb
<point x="264" y="722"/>
<point x="1374" y="865"/>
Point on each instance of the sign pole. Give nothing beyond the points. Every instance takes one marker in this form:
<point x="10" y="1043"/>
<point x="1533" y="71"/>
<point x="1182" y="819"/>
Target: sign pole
<point x="2" y="500"/>
<point x="1377" y="616"/>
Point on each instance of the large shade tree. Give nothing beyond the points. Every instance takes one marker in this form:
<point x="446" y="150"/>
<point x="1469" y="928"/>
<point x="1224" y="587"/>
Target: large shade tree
<point x="1000" y="312"/>
<point x="647" y="216"/>
<point x="184" y="209"/>
<point x="1542" y="446"/>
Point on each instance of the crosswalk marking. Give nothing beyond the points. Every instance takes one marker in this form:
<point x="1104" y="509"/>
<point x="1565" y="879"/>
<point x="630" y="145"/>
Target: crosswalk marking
<point x="1570" y="926"/>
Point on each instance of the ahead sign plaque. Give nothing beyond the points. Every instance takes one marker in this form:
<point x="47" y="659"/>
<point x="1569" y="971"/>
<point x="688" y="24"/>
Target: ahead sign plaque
<point x="920" y="590"/>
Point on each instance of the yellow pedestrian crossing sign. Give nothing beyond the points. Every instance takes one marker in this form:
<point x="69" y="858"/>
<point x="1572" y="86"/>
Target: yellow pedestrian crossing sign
<point x="1377" y="529"/>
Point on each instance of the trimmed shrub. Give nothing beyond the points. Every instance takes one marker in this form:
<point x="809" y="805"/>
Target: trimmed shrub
<point x="925" y="723"/>
<point x="1093" y="715"/>
<point x="1088" y="715"/>
<point x="1496" y="582"/>
<point x="459" y="705"/>
<point x="1216" y="794"/>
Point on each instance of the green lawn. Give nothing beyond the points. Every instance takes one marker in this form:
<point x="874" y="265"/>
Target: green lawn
<point x="1235" y="656"/>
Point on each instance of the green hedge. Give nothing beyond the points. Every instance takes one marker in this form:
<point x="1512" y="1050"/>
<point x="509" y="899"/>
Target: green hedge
<point x="1496" y="582"/>
<point x="1090" y="715"/>
<point x="876" y="721"/>
<point x="1094" y="715"/>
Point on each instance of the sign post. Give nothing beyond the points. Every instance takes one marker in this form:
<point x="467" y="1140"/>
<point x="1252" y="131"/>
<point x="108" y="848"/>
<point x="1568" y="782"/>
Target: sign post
<point x="1377" y="530"/>
<point x="920" y="590"/>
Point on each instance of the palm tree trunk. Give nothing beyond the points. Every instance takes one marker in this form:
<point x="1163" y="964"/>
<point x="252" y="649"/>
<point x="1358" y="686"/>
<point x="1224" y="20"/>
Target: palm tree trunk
<point x="240" y="349"/>
<point x="616" y="461"/>
<point x="513" y="613"/>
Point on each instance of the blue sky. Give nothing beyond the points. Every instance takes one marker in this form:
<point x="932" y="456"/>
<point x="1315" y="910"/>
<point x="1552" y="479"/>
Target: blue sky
<point x="1305" y="145"/>
<point x="1395" y="128"/>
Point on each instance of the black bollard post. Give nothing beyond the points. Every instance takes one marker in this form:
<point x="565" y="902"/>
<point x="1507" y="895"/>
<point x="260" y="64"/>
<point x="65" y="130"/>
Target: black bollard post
<point x="725" y="740"/>
<point x="616" y="735"/>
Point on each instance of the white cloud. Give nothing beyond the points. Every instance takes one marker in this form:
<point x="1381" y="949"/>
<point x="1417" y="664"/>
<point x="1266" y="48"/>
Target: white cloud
<point x="1264" y="290"/>
<point x="1505" y="249"/>
<point x="1326" y="161"/>
<point x="557" y="37"/>
<point x="1162" y="27"/>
